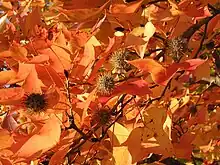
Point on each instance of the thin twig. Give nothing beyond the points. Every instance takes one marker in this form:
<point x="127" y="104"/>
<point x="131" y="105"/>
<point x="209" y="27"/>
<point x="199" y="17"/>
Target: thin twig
<point x="202" y="41"/>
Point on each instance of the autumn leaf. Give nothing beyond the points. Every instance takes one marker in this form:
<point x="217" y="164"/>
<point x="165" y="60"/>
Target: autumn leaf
<point x="6" y="139"/>
<point x="82" y="4"/>
<point x="183" y="149"/>
<point x="9" y="123"/>
<point x="125" y="8"/>
<point x="121" y="155"/>
<point x="11" y="95"/>
<point x="138" y="87"/>
<point x="160" y="74"/>
<point x="49" y="134"/>
<point x="118" y="134"/>
<point x="49" y="76"/>
<point x="56" y="107"/>
<point x="135" y="137"/>
<point x="6" y="76"/>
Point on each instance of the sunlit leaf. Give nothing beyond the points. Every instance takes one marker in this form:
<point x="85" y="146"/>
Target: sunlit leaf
<point x="49" y="134"/>
<point x="118" y="134"/>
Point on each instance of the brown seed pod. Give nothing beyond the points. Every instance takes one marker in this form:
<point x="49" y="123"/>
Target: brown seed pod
<point x="176" y="47"/>
<point x="35" y="103"/>
<point x="101" y="116"/>
<point x="118" y="61"/>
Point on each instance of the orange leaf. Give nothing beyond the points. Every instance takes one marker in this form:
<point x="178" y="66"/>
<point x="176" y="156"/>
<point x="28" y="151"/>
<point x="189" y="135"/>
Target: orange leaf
<point x="104" y="55"/>
<point x="184" y="148"/>
<point x="23" y="71"/>
<point x="63" y="56"/>
<point x="18" y="52"/>
<point x="194" y="63"/>
<point x="89" y="99"/>
<point x="32" y="83"/>
<point x="11" y="95"/>
<point x="149" y="31"/>
<point x="39" y="59"/>
<point x="5" y="139"/>
<point x="49" y="76"/>
<point x="125" y="8"/>
<point x="6" y="76"/>
<point x="134" y="40"/>
<point x="135" y="137"/>
<point x="58" y="157"/>
<point x="47" y="137"/>
<point x="160" y="75"/>
<point x="54" y="60"/>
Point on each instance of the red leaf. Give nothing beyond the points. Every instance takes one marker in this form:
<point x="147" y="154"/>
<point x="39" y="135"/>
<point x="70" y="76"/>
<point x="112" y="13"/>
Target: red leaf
<point x="82" y="4"/>
<point x="194" y="63"/>
<point x="138" y="87"/>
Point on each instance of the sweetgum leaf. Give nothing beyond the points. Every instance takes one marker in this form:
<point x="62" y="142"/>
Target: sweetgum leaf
<point x="47" y="137"/>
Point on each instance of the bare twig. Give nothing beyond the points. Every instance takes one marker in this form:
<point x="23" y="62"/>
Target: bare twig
<point x="202" y="41"/>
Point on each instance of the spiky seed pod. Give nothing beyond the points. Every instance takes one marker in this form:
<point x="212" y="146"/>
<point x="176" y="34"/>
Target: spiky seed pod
<point x="35" y="103"/>
<point x="101" y="116"/>
<point x="176" y="47"/>
<point x="105" y="84"/>
<point x="118" y="62"/>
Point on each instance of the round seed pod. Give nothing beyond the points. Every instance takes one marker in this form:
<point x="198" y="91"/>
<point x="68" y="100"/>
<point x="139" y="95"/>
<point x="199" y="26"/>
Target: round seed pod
<point x="101" y="116"/>
<point x="105" y="84"/>
<point x="176" y="47"/>
<point x="118" y="61"/>
<point x="35" y="103"/>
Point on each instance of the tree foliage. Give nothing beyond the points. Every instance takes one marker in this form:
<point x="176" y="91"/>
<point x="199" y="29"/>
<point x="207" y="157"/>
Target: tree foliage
<point x="110" y="82"/>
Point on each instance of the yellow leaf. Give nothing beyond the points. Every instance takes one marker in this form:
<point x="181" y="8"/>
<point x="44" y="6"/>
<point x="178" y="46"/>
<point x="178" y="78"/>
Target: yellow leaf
<point x="122" y="155"/>
<point x="2" y="21"/>
<point x="118" y="134"/>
